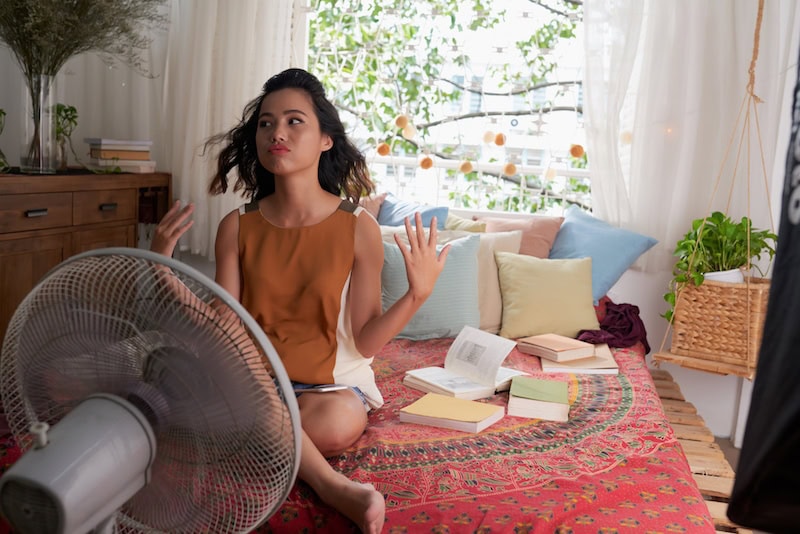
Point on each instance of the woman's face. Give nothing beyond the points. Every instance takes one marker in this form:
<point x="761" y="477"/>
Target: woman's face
<point x="288" y="135"/>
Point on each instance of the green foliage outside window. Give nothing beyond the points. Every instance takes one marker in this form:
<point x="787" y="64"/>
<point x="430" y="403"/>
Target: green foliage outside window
<point x="378" y="61"/>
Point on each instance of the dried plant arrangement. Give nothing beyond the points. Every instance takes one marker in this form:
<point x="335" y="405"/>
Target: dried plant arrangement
<point x="43" y="35"/>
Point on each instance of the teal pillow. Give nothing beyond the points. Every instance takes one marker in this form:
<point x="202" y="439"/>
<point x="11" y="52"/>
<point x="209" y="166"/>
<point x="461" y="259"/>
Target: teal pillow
<point x="454" y="300"/>
<point x="613" y="250"/>
<point x="394" y="210"/>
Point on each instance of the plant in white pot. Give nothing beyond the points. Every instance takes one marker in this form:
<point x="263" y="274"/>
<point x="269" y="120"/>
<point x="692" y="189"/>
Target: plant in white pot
<point x="44" y="34"/>
<point x="717" y="244"/>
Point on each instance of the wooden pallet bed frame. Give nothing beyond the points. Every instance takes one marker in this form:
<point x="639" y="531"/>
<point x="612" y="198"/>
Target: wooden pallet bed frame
<point x="711" y="470"/>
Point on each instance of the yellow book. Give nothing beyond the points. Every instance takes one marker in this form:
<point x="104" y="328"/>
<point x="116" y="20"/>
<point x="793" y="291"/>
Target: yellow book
<point x="451" y="412"/>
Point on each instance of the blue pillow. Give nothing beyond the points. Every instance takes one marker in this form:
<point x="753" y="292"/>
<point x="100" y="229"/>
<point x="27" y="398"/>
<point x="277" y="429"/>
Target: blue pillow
<point x="394" y="210"/>
<point x="613" y="250"/>
<point x="454" y="300"/>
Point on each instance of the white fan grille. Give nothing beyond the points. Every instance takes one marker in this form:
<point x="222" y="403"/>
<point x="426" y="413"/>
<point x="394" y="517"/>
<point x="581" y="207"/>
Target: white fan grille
<point x="149" y="329"/>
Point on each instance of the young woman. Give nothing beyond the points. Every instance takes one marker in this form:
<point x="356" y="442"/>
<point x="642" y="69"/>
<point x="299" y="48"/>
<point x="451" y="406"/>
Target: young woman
<point x="306" y="262"/>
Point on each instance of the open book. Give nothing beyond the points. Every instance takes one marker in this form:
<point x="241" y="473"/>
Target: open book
<point x="472" y="367"/>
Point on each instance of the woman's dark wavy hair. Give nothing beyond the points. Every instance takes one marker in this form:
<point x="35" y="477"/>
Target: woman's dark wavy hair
<point x="342" y="168"/>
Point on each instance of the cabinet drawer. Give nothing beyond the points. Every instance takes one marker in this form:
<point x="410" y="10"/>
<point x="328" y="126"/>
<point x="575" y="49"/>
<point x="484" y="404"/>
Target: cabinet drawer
<point x="37" y="211"/>
<point x="113" y="236"/>
<point x="103" y="206"/>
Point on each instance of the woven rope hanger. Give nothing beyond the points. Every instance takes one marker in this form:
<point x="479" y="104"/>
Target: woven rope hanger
<point x="747" y="108"/>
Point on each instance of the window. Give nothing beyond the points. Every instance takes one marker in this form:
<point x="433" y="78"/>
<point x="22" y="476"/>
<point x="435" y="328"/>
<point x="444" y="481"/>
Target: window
<point x="489" y="91"/>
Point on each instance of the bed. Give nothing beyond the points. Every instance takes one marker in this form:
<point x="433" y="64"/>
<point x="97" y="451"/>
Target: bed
<point x="615" y="466"/>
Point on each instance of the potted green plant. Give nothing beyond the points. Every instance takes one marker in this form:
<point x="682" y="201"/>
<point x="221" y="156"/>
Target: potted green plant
<point x="66" y="121"/>
<point x="716" y="243"/>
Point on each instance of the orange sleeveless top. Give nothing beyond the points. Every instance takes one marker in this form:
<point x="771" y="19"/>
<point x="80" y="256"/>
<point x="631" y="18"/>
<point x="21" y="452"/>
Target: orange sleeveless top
<point x="295" y="284"/>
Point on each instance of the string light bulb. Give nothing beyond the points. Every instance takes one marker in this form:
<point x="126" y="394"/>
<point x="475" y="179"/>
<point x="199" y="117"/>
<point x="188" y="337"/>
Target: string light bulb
<point x="383" y="149"/>
<point x="576" y="151"/>
<point x="426" y="162"/>
<point x="465" y="167"/>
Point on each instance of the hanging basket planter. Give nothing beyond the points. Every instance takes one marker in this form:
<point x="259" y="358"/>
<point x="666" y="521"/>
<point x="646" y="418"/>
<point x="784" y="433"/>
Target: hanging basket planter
<point x="718" y="326"/>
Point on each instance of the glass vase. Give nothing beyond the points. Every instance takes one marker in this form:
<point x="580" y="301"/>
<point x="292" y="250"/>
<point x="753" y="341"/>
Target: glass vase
<point x="39" y="151"/>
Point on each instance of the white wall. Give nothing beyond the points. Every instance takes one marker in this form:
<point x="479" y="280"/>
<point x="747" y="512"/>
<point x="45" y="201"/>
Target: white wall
<point x="716" y="397"/>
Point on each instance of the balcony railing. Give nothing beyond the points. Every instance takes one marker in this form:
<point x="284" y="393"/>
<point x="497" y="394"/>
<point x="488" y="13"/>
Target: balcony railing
<point x="530" y="188"/>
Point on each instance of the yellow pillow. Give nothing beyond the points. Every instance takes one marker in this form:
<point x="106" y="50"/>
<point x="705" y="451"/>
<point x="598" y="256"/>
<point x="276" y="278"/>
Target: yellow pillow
<point x="543" y="296"/>
<point x="454" y="222"/>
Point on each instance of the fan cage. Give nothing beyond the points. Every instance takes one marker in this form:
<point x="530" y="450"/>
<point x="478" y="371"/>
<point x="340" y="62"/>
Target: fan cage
<point x="145" y="327"/>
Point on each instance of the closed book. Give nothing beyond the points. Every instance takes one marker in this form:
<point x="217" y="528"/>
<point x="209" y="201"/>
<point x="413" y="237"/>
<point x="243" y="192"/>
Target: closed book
<point x="104" y="153"/>
<point x="450" y="412"/>
<point x="602" y="363"/>
<point x="113" y="162"/>
<point x="538" y="399"/>
<point x="118" y="144"/>
<point x="555" y="347"/>
<point x="127" y="166"/>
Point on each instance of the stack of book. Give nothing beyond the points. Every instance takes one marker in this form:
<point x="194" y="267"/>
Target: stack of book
<point x="561" y="354"/>
<point x="538" y="399"/>
<point x="121" y="155"/>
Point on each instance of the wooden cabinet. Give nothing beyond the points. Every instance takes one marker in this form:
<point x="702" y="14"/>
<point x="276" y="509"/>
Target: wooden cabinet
<point x="46" y="219"/>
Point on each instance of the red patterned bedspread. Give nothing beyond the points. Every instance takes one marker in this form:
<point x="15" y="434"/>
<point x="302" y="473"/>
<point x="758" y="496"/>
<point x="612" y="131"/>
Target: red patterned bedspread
<point x="614" y="467"/>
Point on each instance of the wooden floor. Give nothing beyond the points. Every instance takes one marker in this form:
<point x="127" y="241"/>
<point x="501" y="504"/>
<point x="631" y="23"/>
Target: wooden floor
<point x="712" y="471"/>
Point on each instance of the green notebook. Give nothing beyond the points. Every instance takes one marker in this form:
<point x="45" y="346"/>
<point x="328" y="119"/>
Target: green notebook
<point x="541" y="390"/>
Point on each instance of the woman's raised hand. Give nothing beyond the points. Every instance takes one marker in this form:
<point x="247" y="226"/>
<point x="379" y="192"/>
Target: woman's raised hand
<point x="173" y="225"/>
<point x="423" y="264"/>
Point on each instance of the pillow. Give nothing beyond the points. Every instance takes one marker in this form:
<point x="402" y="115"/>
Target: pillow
<point x="454" y="222"/>
<point x="538" y="231"/>
<point x="454" y="300"/>
<point x="393" y="211"/>
<point x="613" y="250"/>
<point x="490" y="303"/>
<point x="372" y="203"/>
<point x="542" y="296"/>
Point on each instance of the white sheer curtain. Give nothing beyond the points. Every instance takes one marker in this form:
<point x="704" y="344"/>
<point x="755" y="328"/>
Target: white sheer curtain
<point x="219" y="55"/>
<point x="662" y="103"/>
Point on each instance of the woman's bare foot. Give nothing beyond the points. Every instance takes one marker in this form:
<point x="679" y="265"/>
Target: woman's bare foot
<point x="361" y="503"/>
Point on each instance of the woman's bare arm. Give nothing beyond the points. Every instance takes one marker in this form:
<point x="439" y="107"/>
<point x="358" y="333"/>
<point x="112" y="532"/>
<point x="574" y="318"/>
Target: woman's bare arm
<point x="371" y="328"/>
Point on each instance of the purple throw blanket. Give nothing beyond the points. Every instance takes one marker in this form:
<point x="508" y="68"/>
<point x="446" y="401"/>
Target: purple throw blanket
<point x="621" y="327"/>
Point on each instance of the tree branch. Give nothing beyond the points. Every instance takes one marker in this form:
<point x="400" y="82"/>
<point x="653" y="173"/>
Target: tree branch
<point x="511" y="93"/>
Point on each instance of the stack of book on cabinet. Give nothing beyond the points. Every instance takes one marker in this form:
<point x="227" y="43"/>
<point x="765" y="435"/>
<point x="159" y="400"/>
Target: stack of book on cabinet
<point x="121" y="155"/>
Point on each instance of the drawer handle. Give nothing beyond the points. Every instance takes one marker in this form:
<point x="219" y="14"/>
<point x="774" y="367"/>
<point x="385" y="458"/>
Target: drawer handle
<point x="111" y="206"/>
<point x="36" y="213"/>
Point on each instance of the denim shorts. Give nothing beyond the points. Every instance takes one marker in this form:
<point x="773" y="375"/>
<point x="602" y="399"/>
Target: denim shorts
<point x="299" y="388"/>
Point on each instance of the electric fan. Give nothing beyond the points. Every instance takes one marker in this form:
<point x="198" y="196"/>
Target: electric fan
<point x="145" y="399"/>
